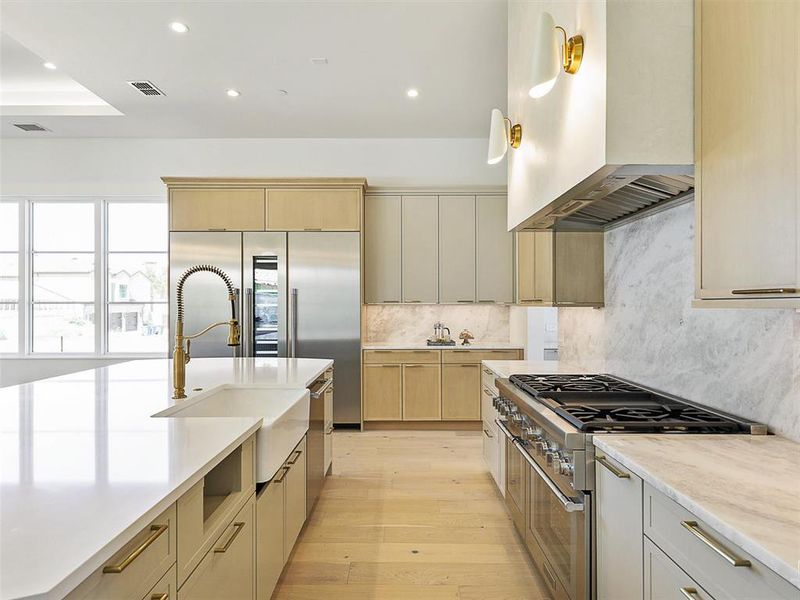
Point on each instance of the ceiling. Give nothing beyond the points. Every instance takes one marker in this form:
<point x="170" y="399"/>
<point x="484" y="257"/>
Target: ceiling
<point x="453" y="52"/>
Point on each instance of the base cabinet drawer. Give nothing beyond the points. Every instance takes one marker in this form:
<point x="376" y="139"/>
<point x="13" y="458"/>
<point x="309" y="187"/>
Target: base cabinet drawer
<point x="270" y="533"/>
<point x="476" y="356"/>
<point x="722" y="568"/>
<point x="166" y="588"/>
<point x="491" y="451"/>
<point x="228" y="569"/>
<point x="137" y="567"/>
<point x="295" y="497"/>
<point x="664" y="580"/>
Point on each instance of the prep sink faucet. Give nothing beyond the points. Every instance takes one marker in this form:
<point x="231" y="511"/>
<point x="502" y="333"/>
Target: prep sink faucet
<point x="181" y="356"/>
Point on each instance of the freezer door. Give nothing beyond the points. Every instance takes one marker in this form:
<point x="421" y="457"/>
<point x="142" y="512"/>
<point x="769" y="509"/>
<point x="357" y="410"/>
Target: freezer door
<point x="324" y="268"/>
<point x="265" y="295"/>
<point x="205" y="296"/>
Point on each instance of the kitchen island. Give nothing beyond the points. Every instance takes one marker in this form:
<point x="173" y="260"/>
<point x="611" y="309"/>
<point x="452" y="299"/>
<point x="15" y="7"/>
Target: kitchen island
<point x="85" y="465"/>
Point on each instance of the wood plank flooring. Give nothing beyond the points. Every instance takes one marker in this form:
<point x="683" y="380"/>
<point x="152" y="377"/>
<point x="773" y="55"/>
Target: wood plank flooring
<point x="409" y="515"/>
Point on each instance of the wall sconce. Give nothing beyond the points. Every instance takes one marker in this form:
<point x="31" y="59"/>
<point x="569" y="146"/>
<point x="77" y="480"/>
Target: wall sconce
<point x="500" y="136"/>
<point x="545" y="55"/>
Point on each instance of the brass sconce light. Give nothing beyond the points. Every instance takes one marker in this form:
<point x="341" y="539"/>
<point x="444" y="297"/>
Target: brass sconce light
<point x="546" y="55"/>
<point x="502" y="133"/>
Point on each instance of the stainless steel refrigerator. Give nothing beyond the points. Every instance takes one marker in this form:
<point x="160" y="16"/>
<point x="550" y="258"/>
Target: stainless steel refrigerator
<point x="299" y="296"/>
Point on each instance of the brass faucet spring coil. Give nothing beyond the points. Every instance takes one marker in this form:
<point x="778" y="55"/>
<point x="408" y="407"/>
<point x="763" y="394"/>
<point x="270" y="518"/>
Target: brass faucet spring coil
<point x="196" y="269"/>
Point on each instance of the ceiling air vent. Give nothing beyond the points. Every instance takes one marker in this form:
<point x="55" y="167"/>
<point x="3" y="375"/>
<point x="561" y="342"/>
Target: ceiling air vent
<point x="147" y="88"/>
<point x="30" y="127"/>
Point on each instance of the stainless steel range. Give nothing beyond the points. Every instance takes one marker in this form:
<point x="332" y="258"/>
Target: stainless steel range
<point x="549" y="422"/>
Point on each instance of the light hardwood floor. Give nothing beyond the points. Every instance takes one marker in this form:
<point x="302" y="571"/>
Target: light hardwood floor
<point x="409" y="515"/>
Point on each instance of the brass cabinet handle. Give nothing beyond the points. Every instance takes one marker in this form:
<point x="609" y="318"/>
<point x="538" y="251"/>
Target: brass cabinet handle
<point x="390" y="301"/>
<point x="778" y="290"/>
<point x="318" y="393"/>
<point x="486" y="300"/>
<point x="690" y="593"/>
<point x="709" y="541"/>
<point x="487" y="371"/>
<point x="466" y="301"/>
<point x="164" y="596"/>
<point x="488" y="433"/>
<point x="155" y="532"/>
<point x="283" y="475"/>
<point x="296" y="458"/>
<point x="618" y="472"/>
<point x="312" y="229"/>
<point x="531" y="300"/>
<point x="238" y="526"/>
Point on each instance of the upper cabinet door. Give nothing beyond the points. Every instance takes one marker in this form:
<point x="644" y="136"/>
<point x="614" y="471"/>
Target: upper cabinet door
<point x="216" y="209"/>
<point x="748" y="168"/>
<point x="420" y="218"/>
<point x="382" y="216"/>
<point x="314" y="210"/>
<point x="456" y="249"/>
<point x="495" y="251"/>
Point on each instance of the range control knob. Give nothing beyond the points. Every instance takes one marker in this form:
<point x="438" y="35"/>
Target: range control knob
<point x="566" y="468"/>
<point x="516" y="417"/>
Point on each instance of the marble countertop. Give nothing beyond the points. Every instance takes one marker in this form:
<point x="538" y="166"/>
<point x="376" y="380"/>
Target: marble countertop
<point x="506" y="368"/>
<point x="423" y="346"/>
<point x="745" y="487"/>
<point x="84" y="466"/>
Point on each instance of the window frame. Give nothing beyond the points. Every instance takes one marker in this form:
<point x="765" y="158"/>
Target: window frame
<point x="25" y="303"/>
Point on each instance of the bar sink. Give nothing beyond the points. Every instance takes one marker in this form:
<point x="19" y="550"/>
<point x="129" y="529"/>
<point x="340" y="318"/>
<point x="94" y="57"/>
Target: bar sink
<point x="285" y="416"/>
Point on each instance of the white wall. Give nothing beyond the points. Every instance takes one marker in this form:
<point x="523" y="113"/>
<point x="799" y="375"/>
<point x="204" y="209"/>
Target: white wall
<point x="133" y="167"/>
<point x="14" y="371"/>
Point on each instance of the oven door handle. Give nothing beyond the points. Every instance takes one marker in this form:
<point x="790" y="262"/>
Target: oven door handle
<point x="568" y="503"/>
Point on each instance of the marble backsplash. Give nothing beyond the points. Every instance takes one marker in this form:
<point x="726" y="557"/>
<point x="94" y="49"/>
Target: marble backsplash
<point x="412" y="323"/>
<point x="743" y="361"/>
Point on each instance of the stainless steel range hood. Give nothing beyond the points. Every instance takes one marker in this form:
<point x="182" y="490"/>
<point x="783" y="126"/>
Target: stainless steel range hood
<point x="615" y="195"/>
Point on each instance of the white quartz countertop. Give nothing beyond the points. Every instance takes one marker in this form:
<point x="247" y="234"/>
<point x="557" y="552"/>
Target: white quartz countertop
<point x="424" y="346"/>
<point x="745" y="487"/>
<point x="506" y="368"/>
<point x="84" y="466"/>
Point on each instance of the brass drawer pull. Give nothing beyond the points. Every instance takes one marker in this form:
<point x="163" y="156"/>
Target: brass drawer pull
<point x="296" y="458"/>
<point x="531" y="300"/>
<point x="618" y="472"/>
<point x="780" y="290"/>
<point x="690" y="593"/>
<point x="155" y="532"/>
<point x="283" y="475"/>
<point x="487" y="371"/>
<point x="488" y="433"/>
<point x="466" y="301"/>
<point x="320" y="391"/>
<point x="164" y="596"/>
<point x="729" y="557"/>
<point x="238" y="526"/>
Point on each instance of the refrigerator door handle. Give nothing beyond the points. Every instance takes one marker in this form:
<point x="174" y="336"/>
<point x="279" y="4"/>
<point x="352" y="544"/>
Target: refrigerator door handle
<point x="293" y="323"/>
<point x="247" y="322"/>
<point x="237" y="350"/>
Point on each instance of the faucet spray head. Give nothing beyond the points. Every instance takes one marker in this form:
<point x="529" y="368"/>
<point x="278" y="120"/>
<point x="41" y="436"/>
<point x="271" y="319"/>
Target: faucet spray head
<point x="233" y="333"/>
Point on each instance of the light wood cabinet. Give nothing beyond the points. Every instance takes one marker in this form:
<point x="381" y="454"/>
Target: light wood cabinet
<point x="295" y="497"/>
<point x="663" y="579"/>
<point x="314" y="210"/>
<point x="228" y="570"/>
<point x="456" y="249"/>
<point x="217" y="210"/>
<point x="422" y="392"/>
<point x="461" y="388"/>
<point x="269" y="535"/>
<point x="382" y="249"/>
<point x="382" y="392"/>
<point x="619" y="532"/>
<point x="747" y="118"/>
<point x="560" y="268"/>
<point x="420" y="252"/>
<point x="495" y="251"/>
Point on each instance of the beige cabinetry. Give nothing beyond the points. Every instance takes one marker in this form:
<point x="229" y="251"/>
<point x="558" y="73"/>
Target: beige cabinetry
<point x="618" y="512"/>
<point x="383" y="390"/>
<point x="456" y="249"/>
<point x="228" y="570"/>
<point x="461" y="389"/>
<point x="420" y="252"/>
<point x="166" y="588"/>
<point x="560" y="268"/>
<point x="295" y="497"/>
<point x="314" y="210"/>
<point x="664" y="580"/>
<point x="328" y="448"/>
<point x="422" y="392"/>
<point x="747" y="118"/>
<point x="494" y="257"/>
<point x="382" y="247"/>
<point x="217" y="209"/>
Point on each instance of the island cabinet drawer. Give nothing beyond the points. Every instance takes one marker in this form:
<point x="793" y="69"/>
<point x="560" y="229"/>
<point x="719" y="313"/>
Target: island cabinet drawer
<point x="228" y="570"/>
<point x="664" y="580"/>
<point x="487" y="379"/>
<point x="476" y="356"/>
<point x="166" y="588"/>
<point x="394" y="357"/>
<point x="137" y="566"/>
<point x="725" y="570"/>
<point x="488" y="411"/>
<point x="207" y="509"/>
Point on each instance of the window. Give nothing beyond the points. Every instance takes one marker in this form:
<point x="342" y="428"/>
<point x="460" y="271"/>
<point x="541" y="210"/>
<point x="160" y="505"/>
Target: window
<point x="94" y="272"/>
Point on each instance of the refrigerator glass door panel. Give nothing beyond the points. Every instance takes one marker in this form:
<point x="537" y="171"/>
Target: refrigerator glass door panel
<point x="324" y="269"/>
<point x="264" y="262"/>
<point x="205" y="295"/>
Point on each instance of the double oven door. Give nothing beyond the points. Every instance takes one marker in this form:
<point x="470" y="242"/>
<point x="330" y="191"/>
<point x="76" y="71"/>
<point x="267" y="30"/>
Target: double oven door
<point x="554" y="525"/>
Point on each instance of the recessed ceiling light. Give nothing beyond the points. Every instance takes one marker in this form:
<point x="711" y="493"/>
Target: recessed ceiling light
<point x="282" y="92"/>
<point x="178" y="27"/>
<point x="412" y="93"/>
<point x="49" y="65"/>
<point x="233" y="93"/>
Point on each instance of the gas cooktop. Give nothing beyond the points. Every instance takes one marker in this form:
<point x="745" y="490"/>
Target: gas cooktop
<point x="601" y="403"/>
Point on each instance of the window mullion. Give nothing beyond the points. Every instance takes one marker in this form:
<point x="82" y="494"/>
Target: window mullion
<point x="101" y="273"/>
<point x="26" y="277"/>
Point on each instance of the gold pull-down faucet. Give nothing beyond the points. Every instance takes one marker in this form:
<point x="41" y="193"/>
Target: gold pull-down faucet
<point x="181" y="356"/>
